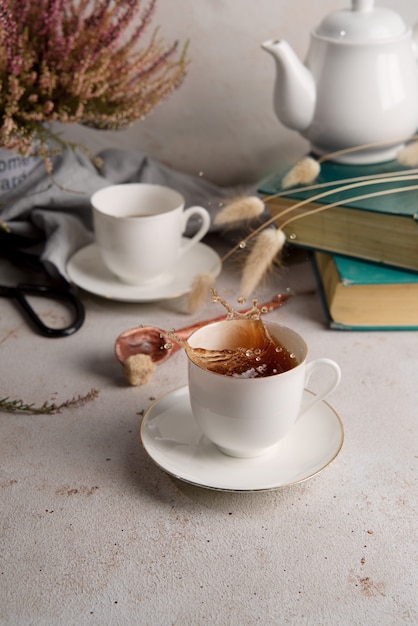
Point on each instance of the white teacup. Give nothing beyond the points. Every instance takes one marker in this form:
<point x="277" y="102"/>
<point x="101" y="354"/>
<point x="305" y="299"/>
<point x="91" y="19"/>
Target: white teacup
<point x="245" y="417"/>
<point x="139" y="228"/>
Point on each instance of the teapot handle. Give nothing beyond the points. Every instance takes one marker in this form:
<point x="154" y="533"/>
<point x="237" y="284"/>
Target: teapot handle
<point x="415" y="40"/>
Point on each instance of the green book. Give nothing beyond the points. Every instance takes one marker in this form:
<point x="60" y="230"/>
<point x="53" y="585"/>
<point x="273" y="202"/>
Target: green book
<point x="382" y="228"/>
<point x="367" y="296"/>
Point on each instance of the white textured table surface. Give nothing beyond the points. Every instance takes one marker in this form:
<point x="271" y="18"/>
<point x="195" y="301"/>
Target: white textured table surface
<point x="93" y="532"/>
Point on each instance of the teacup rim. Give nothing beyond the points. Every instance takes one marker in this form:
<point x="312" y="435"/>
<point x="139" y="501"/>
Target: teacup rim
<point x="178" y="198"/>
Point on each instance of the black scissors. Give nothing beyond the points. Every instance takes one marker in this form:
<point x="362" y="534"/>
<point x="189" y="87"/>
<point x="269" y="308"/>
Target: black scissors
<point x="22" y="291"/>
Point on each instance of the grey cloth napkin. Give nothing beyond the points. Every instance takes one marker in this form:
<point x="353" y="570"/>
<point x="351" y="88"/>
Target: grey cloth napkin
<point x="57" y="209"/>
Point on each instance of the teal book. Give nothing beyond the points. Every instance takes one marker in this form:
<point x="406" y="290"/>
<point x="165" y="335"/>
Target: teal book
<point x="367" y="296"/>
<point x="379" y="228"/>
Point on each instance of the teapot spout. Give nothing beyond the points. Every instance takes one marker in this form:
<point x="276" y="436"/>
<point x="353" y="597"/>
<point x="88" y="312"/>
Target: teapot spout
<point x="295" y="89"/>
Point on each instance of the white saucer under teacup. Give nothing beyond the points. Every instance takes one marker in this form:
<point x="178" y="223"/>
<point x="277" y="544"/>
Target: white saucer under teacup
<point x="87" y="270"/>
<point x="173" y="440"/>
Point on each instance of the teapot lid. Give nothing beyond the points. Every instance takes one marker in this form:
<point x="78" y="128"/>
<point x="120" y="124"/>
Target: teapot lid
<point x="362" y="23"/>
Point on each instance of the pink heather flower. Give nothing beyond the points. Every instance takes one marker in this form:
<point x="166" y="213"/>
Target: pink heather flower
<point x="80" y="61"/>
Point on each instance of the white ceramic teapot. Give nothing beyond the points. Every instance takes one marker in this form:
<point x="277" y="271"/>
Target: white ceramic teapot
<point x="359" y="84"/>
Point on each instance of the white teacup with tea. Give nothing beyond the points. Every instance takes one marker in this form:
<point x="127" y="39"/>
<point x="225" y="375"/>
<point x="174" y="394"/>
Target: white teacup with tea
<point x="247" y="380"/>
<point x="139" y="230"/>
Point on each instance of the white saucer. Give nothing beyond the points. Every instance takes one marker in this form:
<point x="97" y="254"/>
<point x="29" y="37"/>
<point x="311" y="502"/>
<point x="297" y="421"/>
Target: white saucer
<point x="86" y="270"/>
<point x="172" y="439"/>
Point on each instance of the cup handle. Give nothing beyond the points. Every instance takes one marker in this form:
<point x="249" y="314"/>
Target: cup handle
<point x="334" y="382"/>
<point x="204" y="227"/>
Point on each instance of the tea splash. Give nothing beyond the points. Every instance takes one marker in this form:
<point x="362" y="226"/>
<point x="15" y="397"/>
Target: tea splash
<point x="248" y="351"/>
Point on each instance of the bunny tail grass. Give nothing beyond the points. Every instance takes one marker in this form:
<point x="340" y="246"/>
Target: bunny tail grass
<point x="408" y="155"/>
<point x="201" y="288"/>
<point x="238" y="209"/>
<point x="304" y="172"/>
<point x="267" y="246"/>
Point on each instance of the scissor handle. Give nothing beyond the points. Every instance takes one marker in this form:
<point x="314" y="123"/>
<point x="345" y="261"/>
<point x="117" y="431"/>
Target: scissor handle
<point x="53" y="293"/>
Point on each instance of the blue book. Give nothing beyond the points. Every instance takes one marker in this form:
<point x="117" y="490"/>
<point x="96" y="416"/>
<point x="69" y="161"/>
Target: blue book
<point x="382" y="229"/>
<point x="360" y="295"/>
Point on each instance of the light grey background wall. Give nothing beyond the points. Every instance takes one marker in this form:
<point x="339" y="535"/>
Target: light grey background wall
<point x="221" y="121"/>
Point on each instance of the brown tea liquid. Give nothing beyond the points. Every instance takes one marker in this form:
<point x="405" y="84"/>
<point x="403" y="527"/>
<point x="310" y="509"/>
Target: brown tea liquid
<point x="257" y="356"/>
<point x="254" y="355"/>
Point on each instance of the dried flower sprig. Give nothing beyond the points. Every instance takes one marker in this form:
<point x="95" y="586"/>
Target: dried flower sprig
<point x="408" y="155"/>
<point x="266" y="248"/>
<point x="306" y="170"/>
<point x="79" y="61"/>
<point x="19" y="406"/>
<point x="200" y="289"/>
<point x="238" y="210"/>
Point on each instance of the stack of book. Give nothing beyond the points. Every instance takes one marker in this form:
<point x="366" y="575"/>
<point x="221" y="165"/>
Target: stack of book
<point x="364" y="241"/>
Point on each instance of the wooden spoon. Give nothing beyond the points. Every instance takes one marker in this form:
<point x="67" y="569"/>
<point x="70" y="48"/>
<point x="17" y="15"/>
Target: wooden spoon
<point x="154" y="342"/>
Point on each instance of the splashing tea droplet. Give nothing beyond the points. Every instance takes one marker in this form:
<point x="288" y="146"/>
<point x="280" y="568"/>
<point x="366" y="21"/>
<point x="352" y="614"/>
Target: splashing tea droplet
<point x="249" y="350"/>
